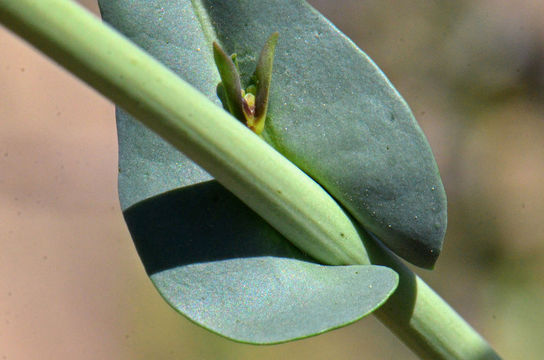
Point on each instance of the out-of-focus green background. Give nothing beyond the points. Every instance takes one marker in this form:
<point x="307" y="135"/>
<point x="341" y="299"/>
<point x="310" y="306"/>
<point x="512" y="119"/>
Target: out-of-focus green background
<point x="72" y="286"/>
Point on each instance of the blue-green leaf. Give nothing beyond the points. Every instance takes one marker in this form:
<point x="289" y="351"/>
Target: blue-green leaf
<point x="331" y="110"/>
<point x="218" y="263"/>
<point x="335" y="115"/>
<point x="268" y="300"/>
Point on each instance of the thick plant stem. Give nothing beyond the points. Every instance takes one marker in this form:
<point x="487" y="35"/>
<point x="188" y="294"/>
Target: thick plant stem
<point x="282" y="194"/>
<point x="256" y="173"/>
<point x="422" y="319"/>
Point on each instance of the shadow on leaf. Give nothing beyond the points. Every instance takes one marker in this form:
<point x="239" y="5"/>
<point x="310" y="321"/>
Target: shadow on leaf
<point x="201" y="223"/>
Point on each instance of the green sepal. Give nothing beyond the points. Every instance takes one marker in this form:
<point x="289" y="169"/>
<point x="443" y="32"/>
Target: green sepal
<point x="263" y="77"/>
<point x="222" y="95"/>
<point x="252" y="113"/>
<point x="234" y="58"/>
<point x="230" y="81"/>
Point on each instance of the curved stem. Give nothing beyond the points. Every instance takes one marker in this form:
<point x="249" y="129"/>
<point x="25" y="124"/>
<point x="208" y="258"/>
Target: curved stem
<point x="293" y="203"/>
<point x="260" y="176"/>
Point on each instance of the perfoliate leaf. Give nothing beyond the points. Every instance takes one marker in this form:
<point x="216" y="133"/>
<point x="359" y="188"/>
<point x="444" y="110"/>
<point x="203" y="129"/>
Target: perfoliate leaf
<point x="330" y="110"/>
<point x="221" y="265"/>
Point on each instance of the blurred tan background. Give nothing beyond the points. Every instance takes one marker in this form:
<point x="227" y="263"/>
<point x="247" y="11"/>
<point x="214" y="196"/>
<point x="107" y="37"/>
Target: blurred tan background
<point x="72" y="286"/>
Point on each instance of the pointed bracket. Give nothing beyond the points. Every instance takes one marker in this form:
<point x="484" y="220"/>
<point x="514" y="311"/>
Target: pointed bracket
<point x="248" y="105"/>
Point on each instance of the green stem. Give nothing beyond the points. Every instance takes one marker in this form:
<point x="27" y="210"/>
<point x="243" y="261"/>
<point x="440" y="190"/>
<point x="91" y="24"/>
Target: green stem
<point x="251" y="169"/>
<point x="272" y="186"/>
<point x="422" y="319"/>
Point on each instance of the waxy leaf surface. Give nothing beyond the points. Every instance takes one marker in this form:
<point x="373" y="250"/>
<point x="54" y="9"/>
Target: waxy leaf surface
<point x="221" y="265"/>
<point x="211" y="257"/>
<point x="331" y="110"/>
